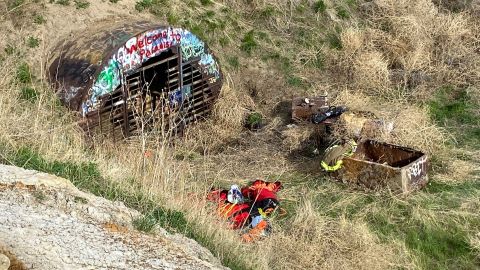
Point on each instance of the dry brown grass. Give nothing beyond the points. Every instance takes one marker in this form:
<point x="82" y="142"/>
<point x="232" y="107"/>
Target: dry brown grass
<point x="425" y="48"/>
<point x="410" y="49"/>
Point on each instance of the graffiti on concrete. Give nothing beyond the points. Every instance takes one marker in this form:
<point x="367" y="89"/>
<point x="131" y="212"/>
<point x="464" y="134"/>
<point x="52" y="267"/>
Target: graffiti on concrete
<point x="209" y="65"/>
<point x="137" y="50"/>
<point x="192" y="46"/>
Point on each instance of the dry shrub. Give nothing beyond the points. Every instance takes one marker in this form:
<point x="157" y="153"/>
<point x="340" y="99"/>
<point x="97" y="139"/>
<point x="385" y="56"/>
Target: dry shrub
<point x="226" y="122"/>
<point x="312" y="241"/>
<point x="371" y="73"/>
<point x="411" y="47"/>
<point x="413" y="127"/>
<point x="352" y="40"/>
<point x="295" y="136"/>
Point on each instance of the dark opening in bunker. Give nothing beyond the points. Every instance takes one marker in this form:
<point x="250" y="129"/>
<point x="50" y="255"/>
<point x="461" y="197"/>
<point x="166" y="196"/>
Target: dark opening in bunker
<point x="158" y="79"/>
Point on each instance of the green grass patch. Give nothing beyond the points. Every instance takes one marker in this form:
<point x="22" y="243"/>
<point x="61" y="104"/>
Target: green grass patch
<point x="63" y="2"/>
<point x="454" y="109"/>
<point x="29" y="94"/>
<point x="143" y="5"/>
<point x="233" y="62"/>
<point x="39" y="19"/>
<point x="33" y="42"/>
<point x="248" y="42"/>
<point x="206" y="2"/>
<point x="13" y="4"/>
<point x="342" y="13"/>
<point x="24" y="74"/>
<point x="9" y="49"/>
<point x="334" y="41"/>
<point x="319" y="6"/>
<point x="81" y="4"/>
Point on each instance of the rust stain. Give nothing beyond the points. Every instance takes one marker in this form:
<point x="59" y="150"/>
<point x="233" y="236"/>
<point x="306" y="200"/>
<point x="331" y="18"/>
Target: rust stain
<point x="115" y="228"/>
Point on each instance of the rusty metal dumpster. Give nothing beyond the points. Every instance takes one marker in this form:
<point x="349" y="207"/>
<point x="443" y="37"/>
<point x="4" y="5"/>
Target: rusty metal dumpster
<point x="379" y="165"/>
<point x="124" y="77"/>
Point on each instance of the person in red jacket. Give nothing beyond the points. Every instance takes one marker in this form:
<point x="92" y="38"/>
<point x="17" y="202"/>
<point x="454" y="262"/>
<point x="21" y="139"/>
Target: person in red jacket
<point x="248" y="209"/>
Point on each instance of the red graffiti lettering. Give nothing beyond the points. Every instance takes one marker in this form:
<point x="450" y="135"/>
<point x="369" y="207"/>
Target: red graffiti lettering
<point x="165" y="34"/>
<point x="142" y="52"/>
<point x="148" y="53"/>
<point x="140" y="44"/>
<point x="149" y="40"/>
<point x="132" y="49"/>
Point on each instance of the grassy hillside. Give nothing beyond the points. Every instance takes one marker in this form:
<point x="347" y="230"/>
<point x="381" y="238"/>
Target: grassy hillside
<point x="414" y="63"/>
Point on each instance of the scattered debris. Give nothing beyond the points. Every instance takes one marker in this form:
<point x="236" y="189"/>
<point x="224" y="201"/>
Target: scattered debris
<point x="315" y="110"/>
<point x="333" y="157"/>
<point x="376" y="165"/>
<point x="248" y="208"/>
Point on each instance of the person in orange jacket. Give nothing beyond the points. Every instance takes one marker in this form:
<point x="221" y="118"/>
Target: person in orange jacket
<point x="250" y="208"/>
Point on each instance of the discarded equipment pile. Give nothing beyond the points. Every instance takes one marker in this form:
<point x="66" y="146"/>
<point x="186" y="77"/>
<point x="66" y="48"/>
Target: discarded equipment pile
<point x="357" y="158"/>
<point x="248" y="209"/>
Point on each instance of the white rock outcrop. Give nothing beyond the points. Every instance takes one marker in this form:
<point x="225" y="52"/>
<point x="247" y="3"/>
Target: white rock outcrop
<point x="47" y="223"/>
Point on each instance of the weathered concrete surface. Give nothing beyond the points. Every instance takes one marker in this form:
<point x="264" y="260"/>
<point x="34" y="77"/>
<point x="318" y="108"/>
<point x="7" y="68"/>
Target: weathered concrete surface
<point x="49" y="224"/>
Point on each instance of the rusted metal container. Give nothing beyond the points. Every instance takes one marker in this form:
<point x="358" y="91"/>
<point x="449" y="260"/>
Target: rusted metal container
<point x="378" y="165"/>
<point x="303" y="108"/>
<point x="126" y="77"/>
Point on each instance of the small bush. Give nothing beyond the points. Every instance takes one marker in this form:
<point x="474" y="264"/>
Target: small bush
<point x="143" y="5"/>
<point x="206" y="2"/>
<point x="28" y="94"/>
<point x="33" y="42"/>
<point x="81" y="4"/>
<point x="248" y="42"/>
<point x="39" y="19"/>
<point x="319" y="6"/>
<point x="23" y="73"/>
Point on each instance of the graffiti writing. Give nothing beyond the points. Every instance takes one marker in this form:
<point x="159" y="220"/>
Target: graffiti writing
<point x="137" y="50"/>
<point x="418" y="168"/>
<point x="209" y="65"/>
<point x="191" y="47"/>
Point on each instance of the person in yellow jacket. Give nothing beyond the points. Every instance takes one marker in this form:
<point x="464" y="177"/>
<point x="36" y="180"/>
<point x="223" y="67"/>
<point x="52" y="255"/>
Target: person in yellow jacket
<point x="332" y="159"/>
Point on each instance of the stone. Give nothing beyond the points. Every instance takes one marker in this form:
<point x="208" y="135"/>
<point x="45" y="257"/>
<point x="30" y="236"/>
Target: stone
<point x="4" y="262"/>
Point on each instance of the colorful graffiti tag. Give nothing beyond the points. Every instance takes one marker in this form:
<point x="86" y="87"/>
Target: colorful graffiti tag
<point x="139" y="49"/>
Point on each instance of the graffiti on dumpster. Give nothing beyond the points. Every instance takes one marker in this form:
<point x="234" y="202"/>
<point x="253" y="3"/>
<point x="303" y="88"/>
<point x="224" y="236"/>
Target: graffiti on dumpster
<point x="417" y="169"/>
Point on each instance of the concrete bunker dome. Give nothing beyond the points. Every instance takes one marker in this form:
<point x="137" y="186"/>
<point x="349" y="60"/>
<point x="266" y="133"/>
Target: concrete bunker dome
<point x="123" y="77"/>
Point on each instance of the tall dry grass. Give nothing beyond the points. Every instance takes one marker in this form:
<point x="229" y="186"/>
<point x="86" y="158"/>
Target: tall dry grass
<point x="409" y="49"/>
<point x="422" y="50"/>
